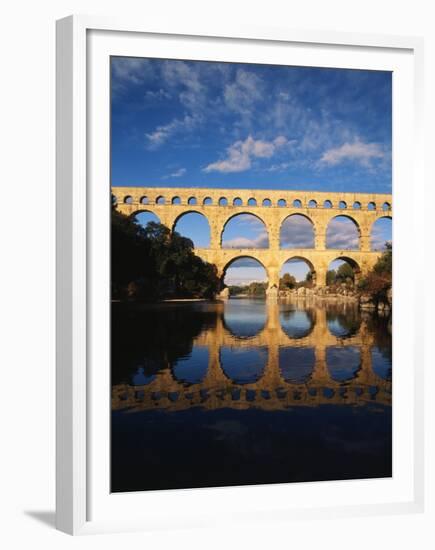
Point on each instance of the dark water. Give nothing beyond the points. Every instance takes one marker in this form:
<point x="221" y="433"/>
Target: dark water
<point x="248" y="392"/>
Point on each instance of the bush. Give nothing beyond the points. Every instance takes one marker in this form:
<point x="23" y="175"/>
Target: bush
<point x="153" y="262"/>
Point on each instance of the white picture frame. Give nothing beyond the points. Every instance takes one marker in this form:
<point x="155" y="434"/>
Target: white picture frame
<point x="82" y="418"/>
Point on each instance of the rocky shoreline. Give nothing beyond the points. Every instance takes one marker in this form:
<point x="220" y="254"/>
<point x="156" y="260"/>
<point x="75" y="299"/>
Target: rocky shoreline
<point x="365" y="300"/>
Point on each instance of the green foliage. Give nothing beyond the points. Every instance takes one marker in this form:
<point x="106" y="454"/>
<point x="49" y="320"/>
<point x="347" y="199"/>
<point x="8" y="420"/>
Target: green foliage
<point x="363" y="283"/>
<point x="379" y="280"/>
<point x="257" y="289"/>
<point x="237" y="289"/>
<point x="384" y="265"/>
<point x="345" y="273"/>
<point x="330" y="277"/>
<point x="253" y="289"/>
<point x="287" y="281"/>
<point x="153" y="262"/>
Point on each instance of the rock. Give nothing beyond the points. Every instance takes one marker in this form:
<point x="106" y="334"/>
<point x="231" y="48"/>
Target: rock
<point x="368" y="305"/>
<point x="366" y="302"/>
<point x="390" y="296"/>
<point x="301" y="291"/>
<point x="224" y="294"/>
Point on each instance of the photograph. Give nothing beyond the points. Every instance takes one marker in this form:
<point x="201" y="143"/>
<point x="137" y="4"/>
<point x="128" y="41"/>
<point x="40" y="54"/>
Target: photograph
<point x="250" y="274"/>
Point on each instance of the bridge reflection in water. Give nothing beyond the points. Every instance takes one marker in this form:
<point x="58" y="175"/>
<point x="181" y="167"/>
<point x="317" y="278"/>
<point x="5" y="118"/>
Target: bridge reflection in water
<point x="289" y="354"/>
<point x="248" y="392"/>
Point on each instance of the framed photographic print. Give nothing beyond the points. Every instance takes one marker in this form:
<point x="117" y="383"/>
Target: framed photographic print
<point x="236" y="320"/>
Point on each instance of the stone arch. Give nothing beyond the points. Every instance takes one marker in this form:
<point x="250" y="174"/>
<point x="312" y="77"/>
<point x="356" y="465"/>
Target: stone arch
<point x="350" y="261"/>
<point x="237" y="201"/>
<point x="266" y="203"/>
<point x="160" y="200"/>
<point x="297" y="203"/>
<point x="300" y="240"/>
<point x="247" y="322"/>
<point x="342" y="205"/>
<point x="223" y="201"/>
<point x="254" y="361"/>
<point x="371" y="206"/>
<point x="242" y="257"/>
<point x="377" y="241"/>
<point x="296" y="323"/>
<point x="128" y="199"/>
<point x="386" y="207"/>
<point x="327" y="204"/>
<point x="312" y="269"/>
<point x="356" y="205"/>
<point x="204" y="235"/>
<point x="343" y="363"/>
<point x="238" y="214"/>
<point x="252" y="202"/>
<point x="192" y="369"/>
<point x="296" y="364"/>
<point x="144" y="200"/>
<point x="176" y="200"/>
<point x="208" y="201"/>
<point x="312" y="204"/>
<point x="343" y="322"/>
<point x="191" y="201"/>
<point x="337" y="242"/>
<point x="137" y="213"/>
<point x="282" y="203"/>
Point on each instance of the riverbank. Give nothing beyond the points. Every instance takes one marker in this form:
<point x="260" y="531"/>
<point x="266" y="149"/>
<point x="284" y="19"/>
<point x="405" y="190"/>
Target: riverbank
<point x="366" y="300"/>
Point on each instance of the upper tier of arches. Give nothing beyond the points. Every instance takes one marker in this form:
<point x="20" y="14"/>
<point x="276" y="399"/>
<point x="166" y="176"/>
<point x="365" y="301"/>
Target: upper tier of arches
<point x="299" y="201"/>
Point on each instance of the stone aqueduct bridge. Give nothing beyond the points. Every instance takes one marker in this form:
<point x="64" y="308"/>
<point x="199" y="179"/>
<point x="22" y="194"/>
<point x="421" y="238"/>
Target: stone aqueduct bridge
<point x="271" y="391"/>
<point x="272" y="207"/>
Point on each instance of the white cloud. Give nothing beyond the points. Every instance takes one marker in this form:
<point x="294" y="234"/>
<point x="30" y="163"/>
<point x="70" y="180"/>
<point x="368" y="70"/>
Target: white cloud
<point x="278" y="167"/>
<point x="297" y="232"/>
<point x="358" y="151"/>
<point x="185" y="78"/>
<point x="343" y="234"/>
<point x="157" y="95"/>
<point x="261" y="241"/>
<point x="240" y="154"/>
<point x="379" y="237"/>
<point x="164" y="132"/>
<point x="128" y="71"/>
<point x="245" y="90"/>
<point x="178" y="173"/>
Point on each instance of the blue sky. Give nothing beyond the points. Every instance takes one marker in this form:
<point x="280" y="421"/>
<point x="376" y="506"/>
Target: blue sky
<point x="205" y="124"/>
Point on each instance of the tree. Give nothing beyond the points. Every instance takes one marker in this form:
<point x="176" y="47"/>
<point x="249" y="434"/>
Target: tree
<point x="153" y="262"/>
<point x="345" y="273"/>
<point x="287" y="281"/>
<point x="330" y="277"/>
<point x="384" y="264"/>
<point x="379" y="279"/>
<point x="257" y="289"/>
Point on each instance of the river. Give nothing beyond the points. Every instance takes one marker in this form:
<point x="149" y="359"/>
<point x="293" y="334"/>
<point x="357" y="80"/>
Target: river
<point x="248" y="391"/>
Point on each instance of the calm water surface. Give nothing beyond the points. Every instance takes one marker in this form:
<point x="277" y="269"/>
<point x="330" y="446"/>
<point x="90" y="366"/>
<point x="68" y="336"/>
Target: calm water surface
<point x="247" y="392"/>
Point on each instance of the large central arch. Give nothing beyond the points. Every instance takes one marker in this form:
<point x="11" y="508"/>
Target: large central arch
<point x="250" y="259"/>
